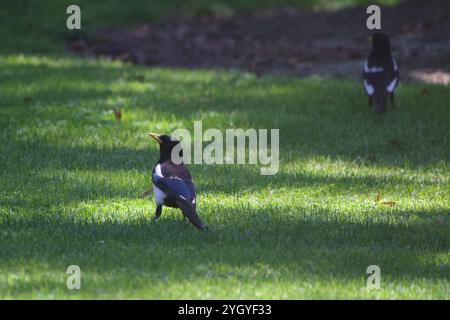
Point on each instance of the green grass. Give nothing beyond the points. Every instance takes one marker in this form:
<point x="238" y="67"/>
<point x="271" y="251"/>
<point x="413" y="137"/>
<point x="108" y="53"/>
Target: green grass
<point x="71" y="176"/>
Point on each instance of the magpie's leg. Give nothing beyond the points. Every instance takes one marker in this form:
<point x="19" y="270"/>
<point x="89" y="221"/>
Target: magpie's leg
<point x="392" y="100"/>
<point x="370" y="101"/>
<point x="158" y="211"/>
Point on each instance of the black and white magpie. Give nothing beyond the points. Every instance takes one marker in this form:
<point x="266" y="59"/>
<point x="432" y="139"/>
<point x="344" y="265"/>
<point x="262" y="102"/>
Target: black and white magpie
<point x="380" y="77"/>
<point x="172" y="183"/>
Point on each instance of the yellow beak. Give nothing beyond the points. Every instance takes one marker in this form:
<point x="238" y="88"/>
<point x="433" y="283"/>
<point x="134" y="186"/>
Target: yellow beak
<point x="155" y="136"/>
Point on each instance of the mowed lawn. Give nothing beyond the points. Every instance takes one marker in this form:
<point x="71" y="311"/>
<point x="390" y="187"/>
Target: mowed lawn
<point x="71" y="179"/>
<point x="353" y="189"/>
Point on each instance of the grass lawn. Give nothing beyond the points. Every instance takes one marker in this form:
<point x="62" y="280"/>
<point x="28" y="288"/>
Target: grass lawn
<point x="71" y="177"/>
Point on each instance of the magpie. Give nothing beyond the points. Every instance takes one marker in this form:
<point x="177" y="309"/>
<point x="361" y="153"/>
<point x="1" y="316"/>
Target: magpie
<point x="380" y="77"/>
<point x="172" y="183"/>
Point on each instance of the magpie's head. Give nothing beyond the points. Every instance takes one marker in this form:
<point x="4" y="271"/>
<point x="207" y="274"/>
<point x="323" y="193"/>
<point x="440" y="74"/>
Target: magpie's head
<point x="166" y="145"/>
<point x="381" y="43"/>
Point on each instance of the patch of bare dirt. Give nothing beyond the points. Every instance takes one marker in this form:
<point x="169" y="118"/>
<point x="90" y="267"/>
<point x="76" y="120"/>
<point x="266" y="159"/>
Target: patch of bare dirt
<point x="286" y="41"/>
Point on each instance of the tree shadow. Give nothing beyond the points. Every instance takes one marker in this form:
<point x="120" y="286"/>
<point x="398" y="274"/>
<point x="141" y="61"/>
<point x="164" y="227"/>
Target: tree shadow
<point x="280" y="248"/>
<point x="83" y="173"/>
<point x="336" y="124"/>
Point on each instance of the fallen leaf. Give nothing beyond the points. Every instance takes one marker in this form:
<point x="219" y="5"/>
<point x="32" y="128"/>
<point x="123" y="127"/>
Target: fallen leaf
<point x="378" y="197"/>
<point x="146" y="193"/>
<point x="118" y="115"/>
<point x="140" y="77"/>
<point x="395" y="142"/>
<point x="424" y="91"/>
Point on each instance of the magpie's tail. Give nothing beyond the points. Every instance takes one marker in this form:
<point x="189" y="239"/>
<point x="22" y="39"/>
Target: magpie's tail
<point x="190" y="213"/>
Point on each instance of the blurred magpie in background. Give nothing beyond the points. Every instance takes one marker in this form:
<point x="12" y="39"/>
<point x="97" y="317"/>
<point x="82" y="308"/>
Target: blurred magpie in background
<point x="380" y="77"/>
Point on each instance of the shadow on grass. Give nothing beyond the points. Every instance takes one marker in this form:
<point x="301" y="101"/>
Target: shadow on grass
<point x="275" y="248"/>
<point x="76" y="174"/>
<point x="337" y="123"/>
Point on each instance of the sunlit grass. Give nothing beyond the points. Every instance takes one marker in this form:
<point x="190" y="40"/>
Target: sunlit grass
<point x="71" y="180"/>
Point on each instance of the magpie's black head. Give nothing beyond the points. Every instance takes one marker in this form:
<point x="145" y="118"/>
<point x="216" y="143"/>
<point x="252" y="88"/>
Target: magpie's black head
<point x="166" y="145"/>
<point x="381" y="43"/>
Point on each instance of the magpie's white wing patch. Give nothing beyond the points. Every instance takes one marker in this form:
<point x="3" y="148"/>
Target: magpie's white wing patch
<point x="159" y="195"/>
<point x="391" y="86"/>
<point x="368" y="88"/>
<point x="158" y="170"/>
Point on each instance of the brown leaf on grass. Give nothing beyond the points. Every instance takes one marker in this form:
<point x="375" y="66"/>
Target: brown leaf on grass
<point x="395" y="142"/>
<point x="146" y="193"/>
<point x="386" y="203"/>
<point x="140" y="77"/>
<point x="117" y="115"/>
<point x="378" y="197"/>
<point x="424" y="91"/>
